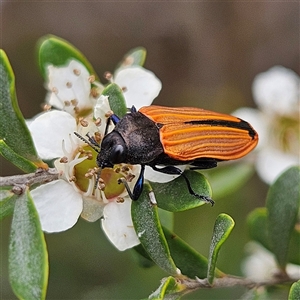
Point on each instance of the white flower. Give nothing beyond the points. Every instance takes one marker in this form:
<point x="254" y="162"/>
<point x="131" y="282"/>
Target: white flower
<point x="70" y="88"/>
<point x="261" y="265"/>
<point x="60" y="203"/>
<point x="276" y="93"/>
<point x="140" y="86"/>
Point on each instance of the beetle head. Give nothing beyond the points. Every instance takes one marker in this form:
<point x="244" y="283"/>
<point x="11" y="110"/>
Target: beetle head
<point x="113" y="151"/>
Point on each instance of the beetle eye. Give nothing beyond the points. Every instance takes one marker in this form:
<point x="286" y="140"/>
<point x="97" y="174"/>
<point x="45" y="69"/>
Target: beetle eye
<point x="117" y="154"/>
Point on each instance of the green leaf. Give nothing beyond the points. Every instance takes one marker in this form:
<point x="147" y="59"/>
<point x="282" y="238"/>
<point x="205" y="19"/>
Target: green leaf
<point x="142" y="257"/>
<point x="283" y="201"/>
<point x="58" y="52"/>
<point x="7" y="202"/>
<point x="28" y="258"/>
<point x="166" y="218"/>
<point x="135" y="57"/>
<point x="187" y="259"/>
<point x="294" y="293"/>
<point x="116" y="99"/>
<point x="169" y="289"/>
<point x="13" y="129"/>
<point x="222" y="229"/>
<point x="148" y="228"/>
<point x="174" y="196"/>
<point x="19" y="161"/>
<point x="257" y="222"/>
<point x="227" y="179"/>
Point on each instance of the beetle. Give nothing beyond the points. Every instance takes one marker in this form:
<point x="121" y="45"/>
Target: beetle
<point x="166" y="137"/>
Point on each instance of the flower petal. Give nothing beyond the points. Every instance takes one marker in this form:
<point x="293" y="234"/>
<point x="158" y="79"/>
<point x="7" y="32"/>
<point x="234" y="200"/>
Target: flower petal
<point x="260" y="265"/>
<point x="277" y="90"/>
<point x="271" y="163"/>
<point x="69" y="87"/>
<point x="100" y="111"/>
<point x="48" y="131"/>
<point x="58" y="205"/>
<point x="155" y="176"/>
<point x="141" y="85"/>
<point x="117" y="225"/>
<point x="92" y="209"/>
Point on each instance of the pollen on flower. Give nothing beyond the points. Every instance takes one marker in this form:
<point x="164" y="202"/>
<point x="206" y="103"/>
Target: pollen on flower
<point x="76" y="72"/>
<point x="74" y="102"/>
<point x="63" y="160"/>
<point x="80" y="150"/>
<point x="83" y="122"/>
<point x="91" y="78"/>
<point x="108" y="76"/>
<point x="130" y="177"/>
<point x="67" y="103"/>
<point x="94" y="92"/>
<point x="89" y="155"/>
<point x="72" y="179"/>
<point x="90" y="173"/>
<point x="124" y="89"/>
<point x="97" y="137"/>
<point x="109" y="114"/>
<point x="46" y="107"/>
<point x="69" y="84"/>
<point x="128" y="61"/>
<point x="120" y="200"/>
<point x="98" y="122"/>
<point x="101" y="184"/>
<point x="125" y="168"/>
<point x="54" y="90"/>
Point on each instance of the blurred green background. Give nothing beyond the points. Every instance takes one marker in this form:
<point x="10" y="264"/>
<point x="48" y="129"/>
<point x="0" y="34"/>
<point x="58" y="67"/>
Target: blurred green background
<point x="206" y="55"/>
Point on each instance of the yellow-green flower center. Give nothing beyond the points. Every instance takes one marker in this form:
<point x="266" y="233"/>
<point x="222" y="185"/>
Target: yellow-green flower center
<point x="286" y="134"/>
<point x="88" y="168"/>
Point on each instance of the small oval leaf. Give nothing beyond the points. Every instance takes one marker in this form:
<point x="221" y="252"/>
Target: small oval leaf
<point x="169" y="289"/>
<point x="116" y="99"/>
<point x="187" y="259"/>
<point x="13" y="129"/>
<point x="134" y="57"/>
<point x="222" y="229"/>
<point x="19" y="161"/>
<point x="283" y="202"/>
<point x="28" y="258"/>
<point x="148" y="228"/>
<point x="174" y="196"/>
<point x="294" y="293"/>
<point x="58" y="52"/>
<point x="7" y="202"/>
<point x="257" y="222"/>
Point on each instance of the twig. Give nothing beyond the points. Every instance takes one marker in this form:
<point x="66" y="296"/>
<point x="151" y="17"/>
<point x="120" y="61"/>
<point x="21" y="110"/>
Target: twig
<point x="20" y="182"/>
<point x="230" y="281"/>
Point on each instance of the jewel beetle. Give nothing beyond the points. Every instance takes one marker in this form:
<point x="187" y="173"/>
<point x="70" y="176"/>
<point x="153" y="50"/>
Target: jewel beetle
<point x="166" y="137"/>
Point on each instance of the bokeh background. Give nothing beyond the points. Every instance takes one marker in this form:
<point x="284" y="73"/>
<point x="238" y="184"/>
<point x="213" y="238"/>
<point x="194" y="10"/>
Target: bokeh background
<point x="206" y="54"/>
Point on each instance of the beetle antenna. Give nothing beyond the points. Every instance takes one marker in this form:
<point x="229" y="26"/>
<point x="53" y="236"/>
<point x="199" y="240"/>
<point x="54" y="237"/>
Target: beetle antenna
<point x="90" y="141"/>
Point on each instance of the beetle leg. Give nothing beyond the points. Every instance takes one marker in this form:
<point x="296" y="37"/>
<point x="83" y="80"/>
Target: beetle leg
<point x="138" y="188"/>
<point x="114" y="118"/>
<point x="175" y="171"/>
